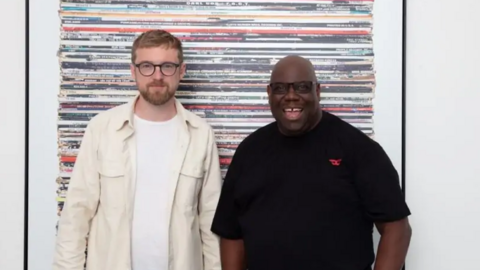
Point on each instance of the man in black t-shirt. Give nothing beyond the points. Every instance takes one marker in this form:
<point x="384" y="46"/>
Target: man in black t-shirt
<point x="304" y="192"/>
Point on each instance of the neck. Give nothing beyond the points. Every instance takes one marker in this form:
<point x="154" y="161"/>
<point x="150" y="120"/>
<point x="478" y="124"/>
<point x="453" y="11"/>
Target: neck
<point x="154" y="113"/>
<point x="318" y="117"/>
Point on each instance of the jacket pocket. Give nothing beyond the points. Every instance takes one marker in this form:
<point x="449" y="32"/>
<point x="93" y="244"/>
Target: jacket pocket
<point x="189" y="184"/>
<point x="111" y="184"/>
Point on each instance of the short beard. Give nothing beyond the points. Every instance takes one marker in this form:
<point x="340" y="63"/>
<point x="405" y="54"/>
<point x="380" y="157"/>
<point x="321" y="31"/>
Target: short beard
<point x="156" y="99"/>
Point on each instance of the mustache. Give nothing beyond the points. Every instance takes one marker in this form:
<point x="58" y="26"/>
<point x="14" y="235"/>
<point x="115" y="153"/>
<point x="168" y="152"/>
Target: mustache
<point x="157" y="84"/>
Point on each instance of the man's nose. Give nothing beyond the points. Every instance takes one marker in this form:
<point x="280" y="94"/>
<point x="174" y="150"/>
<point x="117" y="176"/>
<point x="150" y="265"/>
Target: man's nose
<point x="291" y="94"/>
<point x="157" y="74"/>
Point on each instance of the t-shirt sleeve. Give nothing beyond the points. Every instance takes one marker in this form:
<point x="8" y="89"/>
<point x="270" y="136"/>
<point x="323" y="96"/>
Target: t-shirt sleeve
<point x="225" y="222"/>
<point x="378" y="183"/>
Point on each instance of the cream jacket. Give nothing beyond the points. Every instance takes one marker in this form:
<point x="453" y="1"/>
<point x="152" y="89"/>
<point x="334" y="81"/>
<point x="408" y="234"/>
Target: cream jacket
<point x="99" y="202"/>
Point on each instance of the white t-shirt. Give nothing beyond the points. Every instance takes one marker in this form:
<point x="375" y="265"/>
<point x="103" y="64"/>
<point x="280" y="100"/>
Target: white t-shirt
<point x="155" y="145"/>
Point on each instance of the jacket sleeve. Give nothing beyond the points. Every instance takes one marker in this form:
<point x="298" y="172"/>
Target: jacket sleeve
<point x="79" y="207"/>
<point x="208" y="199"/>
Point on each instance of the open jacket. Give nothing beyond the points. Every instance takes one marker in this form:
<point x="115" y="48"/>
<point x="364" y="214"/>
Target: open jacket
<point x="99" y="201"/>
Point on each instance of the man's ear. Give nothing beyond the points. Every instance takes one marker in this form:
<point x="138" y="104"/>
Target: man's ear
<point x="269" y="92"/>
<point x="183" y="70"/>
<point x="317" y="90"/>
<point x="132" y="71"/>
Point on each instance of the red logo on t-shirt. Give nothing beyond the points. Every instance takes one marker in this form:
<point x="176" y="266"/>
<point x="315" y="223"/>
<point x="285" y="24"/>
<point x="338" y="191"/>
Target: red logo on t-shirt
<point x="335" y="162"/>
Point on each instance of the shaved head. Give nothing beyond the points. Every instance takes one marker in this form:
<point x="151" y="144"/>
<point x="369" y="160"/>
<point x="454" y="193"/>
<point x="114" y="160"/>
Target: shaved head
<point x="293" y="95"/>
<point x="289" y="65"/>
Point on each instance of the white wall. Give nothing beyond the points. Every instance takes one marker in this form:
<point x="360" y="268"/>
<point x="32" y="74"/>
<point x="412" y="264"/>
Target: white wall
<point x="43" y="169"/>
<point x="12" y="130"/>
<point x="443" y="134"/>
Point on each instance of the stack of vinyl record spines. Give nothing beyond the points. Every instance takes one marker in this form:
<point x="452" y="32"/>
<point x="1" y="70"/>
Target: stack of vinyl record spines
<point x="230" y="49"/>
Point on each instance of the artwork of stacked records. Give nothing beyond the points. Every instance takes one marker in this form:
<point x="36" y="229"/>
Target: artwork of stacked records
<point x="230" y="48"/>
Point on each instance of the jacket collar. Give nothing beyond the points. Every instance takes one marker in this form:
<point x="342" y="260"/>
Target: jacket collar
<point x="126" y="113"/>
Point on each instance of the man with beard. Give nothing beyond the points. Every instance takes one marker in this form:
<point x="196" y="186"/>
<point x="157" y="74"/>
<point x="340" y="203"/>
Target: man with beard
<point x="305" y="191"/>
<point x="147" y="178"/>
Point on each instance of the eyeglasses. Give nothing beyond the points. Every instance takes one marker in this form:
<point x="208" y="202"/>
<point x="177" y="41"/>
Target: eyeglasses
<point x="281" y="88"/>
<point x="167" y="68"/>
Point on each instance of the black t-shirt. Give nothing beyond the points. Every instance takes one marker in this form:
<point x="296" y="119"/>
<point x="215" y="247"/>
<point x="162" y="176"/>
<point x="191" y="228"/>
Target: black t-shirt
<point x="309" y="202"/>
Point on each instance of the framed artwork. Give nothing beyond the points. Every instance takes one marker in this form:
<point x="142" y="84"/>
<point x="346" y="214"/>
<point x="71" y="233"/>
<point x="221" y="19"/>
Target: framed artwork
<point x="230" y="48"/>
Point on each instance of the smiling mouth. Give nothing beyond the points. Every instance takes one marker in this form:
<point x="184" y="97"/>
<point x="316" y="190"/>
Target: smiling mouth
<point x="293" y="113"/>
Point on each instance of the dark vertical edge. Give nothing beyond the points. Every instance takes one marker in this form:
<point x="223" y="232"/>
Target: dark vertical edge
<point x="404" y="94"/>
<point x="27" y="104"/>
